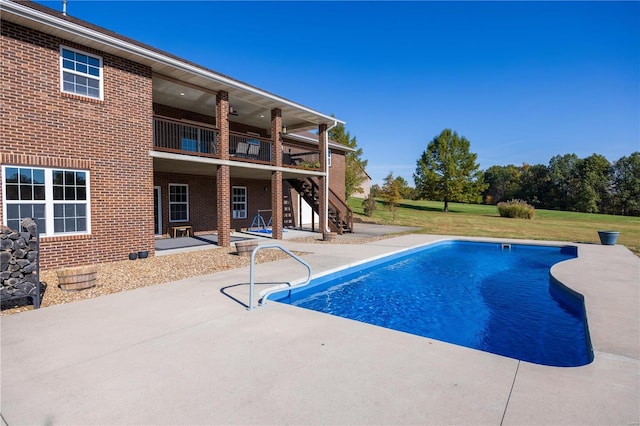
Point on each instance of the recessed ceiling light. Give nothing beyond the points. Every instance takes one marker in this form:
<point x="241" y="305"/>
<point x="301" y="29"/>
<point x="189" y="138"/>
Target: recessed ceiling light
<point x="181" y="93"/>
<point x="261" y="115"/>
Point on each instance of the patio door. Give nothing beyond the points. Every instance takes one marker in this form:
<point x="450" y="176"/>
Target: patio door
<point x="157" y="211"/>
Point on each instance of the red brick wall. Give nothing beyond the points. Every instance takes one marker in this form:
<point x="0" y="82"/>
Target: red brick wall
<point x="111" y="138"/>
<point x="181" y="114"/>
<point x="202" y="201"/>
<point x="257" y="199"/>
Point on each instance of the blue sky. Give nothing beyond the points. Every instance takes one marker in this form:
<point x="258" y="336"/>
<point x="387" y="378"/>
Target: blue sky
<point x="523" y="81"/>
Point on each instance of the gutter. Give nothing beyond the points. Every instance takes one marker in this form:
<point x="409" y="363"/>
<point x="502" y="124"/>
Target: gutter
<point x="326" y="184"/>
<point x="315" y="141"/>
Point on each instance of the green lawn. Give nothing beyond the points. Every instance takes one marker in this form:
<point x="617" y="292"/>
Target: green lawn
<point x="484" y="221"/>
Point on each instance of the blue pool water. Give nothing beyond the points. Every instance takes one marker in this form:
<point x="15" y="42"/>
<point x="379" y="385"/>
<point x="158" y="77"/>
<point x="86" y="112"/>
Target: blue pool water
<point x="479" y="295"/>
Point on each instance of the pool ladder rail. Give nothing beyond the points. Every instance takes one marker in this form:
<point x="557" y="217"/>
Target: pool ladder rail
<point x="264" y="294"/>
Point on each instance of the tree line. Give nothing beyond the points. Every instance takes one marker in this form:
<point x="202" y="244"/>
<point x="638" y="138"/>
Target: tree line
<point x="447" y="171"/>
<point x="570" y="183"/>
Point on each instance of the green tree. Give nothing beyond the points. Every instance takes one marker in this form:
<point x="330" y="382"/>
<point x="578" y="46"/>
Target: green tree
<point x="503" y="183"/>
<point x="369" y="205"/>
<point x="375" y="190"/>
<point x="447" y="170"/>
<point x="355" y="166"/>
<point x="563" y="175"/>
<point x="593" y="184"/>
<point x="406" y="191"/>
<point x="390" y="193"/>
<point x="626" y="184"/>
<point x="535" y="185"/>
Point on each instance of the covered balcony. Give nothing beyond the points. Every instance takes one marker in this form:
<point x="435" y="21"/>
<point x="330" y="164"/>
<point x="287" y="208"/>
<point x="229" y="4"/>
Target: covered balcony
<point x="174" y="136"/>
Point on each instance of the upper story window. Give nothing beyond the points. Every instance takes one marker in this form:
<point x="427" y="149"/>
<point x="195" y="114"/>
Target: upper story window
<point x="329" y="158"/>
<point x="81" y="73"/>
<point x="57" y="199"/>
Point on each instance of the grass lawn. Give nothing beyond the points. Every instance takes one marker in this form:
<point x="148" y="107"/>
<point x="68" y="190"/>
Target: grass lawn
<point x="480" y="220"/>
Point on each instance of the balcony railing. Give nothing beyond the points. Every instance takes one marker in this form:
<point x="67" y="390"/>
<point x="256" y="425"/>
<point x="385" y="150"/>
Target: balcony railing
<point x="295" y="156"/>
<point x="249" y="147"/>
<point x="176" y="136"/>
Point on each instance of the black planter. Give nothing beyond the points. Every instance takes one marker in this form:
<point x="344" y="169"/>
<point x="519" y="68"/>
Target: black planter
<point x="133" y="256"/>
<point x="143" y="254"/>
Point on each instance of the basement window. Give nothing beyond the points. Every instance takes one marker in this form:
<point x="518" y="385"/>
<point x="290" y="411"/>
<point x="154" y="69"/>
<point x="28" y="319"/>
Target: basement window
<point x="57" y="199"/>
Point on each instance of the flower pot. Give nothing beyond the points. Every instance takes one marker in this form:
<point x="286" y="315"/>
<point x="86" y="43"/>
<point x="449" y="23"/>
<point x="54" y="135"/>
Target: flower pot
<point x="79" y="278"/>
<point x="329" y="236"/>
<point x="608" y="238"/>
<point x="143" y="254"/>
<point x="133" y="256"/>
<point x="245" y="248"/>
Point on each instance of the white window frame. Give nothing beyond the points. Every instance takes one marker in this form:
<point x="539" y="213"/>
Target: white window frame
<point x="239" y="213"/>
<point x="171" y="220"/>
<point x="158" y="206"/>
<point x="99" y="78"/>
<point x="328" y="157"/>
<point x="49" y="202"/>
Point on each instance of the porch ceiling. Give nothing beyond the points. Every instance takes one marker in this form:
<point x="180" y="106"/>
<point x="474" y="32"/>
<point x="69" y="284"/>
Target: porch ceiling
<point x="198" y="95"/>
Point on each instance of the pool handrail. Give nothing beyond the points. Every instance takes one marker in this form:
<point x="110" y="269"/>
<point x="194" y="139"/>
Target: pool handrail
<point x="267" y="292"/>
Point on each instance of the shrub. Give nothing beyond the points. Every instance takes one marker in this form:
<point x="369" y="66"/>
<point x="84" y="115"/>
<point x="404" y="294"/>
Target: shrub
<point x="517" y="209"/>
<point x="369" y="205"/>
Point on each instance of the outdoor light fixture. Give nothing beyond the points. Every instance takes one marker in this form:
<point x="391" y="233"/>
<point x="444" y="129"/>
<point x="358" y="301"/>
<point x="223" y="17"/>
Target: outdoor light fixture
<point x="232" y="111"/>
<point x="284" y="129"/>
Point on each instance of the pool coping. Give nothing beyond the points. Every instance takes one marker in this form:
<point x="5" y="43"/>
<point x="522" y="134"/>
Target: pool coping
<point x="133" y="357"/>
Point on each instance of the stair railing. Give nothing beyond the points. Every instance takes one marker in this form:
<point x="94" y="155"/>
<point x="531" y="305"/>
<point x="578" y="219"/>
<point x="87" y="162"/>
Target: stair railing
<point x="267" y="292"/>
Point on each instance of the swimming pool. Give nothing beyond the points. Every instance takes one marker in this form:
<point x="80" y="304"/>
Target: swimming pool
<point x="497" y="298"/>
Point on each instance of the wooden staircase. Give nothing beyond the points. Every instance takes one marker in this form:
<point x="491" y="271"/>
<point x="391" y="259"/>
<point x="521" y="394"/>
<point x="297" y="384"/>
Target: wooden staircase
<point x="340" y="215"/>
<point x="287" y="211"/>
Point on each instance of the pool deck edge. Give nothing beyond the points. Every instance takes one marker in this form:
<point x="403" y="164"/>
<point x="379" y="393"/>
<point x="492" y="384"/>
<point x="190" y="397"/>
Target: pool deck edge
<point x="188" y="352"/>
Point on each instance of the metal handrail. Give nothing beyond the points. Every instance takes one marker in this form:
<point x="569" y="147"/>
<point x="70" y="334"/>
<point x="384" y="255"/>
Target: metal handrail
<point x="266" y="293"/>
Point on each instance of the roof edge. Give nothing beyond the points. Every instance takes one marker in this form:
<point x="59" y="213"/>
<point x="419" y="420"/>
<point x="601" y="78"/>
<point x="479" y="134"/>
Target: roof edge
<point x="27" y="12"/>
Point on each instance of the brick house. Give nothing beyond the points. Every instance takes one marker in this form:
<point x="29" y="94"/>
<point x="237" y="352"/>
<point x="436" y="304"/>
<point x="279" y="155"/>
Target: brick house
<point x="110" y="144"/>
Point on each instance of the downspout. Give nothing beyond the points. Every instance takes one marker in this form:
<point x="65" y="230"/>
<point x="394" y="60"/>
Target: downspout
<point x="326" y="186"/>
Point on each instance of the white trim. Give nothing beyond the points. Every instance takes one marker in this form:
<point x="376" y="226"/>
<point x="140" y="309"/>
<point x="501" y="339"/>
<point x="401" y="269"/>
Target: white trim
<point x="159" y="207"/>
<point x="100" y="78"/>
<point x="48" y="201"/>
<point x="246" y="202"/>
<point x="237" y="164"/>
<point x="170" y="203"/>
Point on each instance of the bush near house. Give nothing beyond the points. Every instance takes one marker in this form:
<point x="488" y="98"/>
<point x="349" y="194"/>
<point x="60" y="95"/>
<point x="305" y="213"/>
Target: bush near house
<point x="369" y="205"/>
<point x="516" y="209"/>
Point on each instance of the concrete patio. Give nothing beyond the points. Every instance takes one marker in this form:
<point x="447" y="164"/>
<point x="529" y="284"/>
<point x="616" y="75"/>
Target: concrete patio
<point x="189" y="352"/>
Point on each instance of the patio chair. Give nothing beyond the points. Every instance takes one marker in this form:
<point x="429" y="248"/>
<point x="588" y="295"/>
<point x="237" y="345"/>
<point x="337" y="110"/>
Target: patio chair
<point x="254" y="149"/>
<point x="241" y="149"/>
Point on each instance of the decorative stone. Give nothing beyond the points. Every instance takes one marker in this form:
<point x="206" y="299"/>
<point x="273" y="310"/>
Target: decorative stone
<point x="5" y="256"/>
<point x="31" y="226"/>
<point x="22" y="263"/>
<point x="6" y="244"/>
<point x="19" y="263"/>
